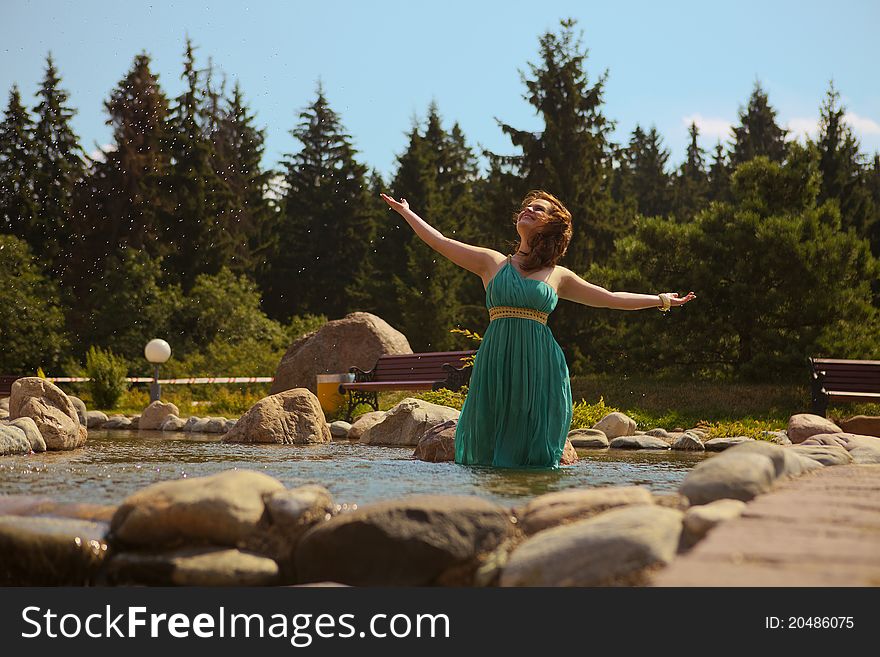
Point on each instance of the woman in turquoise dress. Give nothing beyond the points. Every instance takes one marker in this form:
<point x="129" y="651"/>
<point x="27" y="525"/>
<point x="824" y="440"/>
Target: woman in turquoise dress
<point x="518" y="409"/>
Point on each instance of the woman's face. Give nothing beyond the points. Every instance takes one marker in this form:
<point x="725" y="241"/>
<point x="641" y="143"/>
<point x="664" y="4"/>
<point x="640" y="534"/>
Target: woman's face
<point x="534" y="214"/>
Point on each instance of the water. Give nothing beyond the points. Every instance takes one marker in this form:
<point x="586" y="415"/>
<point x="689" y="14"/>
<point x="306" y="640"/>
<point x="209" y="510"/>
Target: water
<point x="114" y="464"/>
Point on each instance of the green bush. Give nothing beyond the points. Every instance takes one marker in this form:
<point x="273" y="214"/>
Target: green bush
<point x="107" y="373"/>
<point x="585" y="415"/>
<point x="444" y="397"/>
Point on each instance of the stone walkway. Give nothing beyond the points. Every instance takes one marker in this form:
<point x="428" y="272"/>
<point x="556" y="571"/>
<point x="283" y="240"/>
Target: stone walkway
<point x="821" y="529"/>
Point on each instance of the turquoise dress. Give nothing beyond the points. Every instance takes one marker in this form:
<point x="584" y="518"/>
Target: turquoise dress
<point x="517" y="412"/>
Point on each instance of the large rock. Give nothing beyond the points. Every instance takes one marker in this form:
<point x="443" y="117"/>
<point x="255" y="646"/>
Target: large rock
<point x="292" y="417"/>
<point x="862" y="425"/>
<point x="154" y="415"/>
<point x="567" y="506"/>
<point x="290" y="514"/>
<point x="339" y="429"/>
<point x="13" y="441"/>
<point x="588" y="438"/>
<point x="616" y="424"/>
<point x="364" y="422"/>
<point x="787" y="462"/>
<point x="824" y="454"/>
<point x="726" y="442"/>
<point x="356" y="340"/>
<point x="81" y="410"/>
<point x="172" y="423"/>
<point x="407" y="422"/>
<point x="638" y="442"/>
<point x="804" y="425"/>
<point x="864" y="450"/>
<point x="31" y="432"/>
<point x="438" y="443"/>
<point x="612" y="548"/>
<point x="569" y="454"/>
<point x="729" y="476"/>
<point x="117" y="422"/>
<point x="222" y="509"/>
<point x="50" y="551"/>
<point x="419" y="540"/>
<point x="192" y="566"/>
<point x="52" y="411"/>
<point x="698" y="520"/>
<point x="94" y="419"/>
<point x="688" y="442"/>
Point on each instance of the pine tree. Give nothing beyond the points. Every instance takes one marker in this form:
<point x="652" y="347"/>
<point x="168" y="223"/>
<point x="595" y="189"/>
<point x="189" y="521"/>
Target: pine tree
<point x="60" y="169"/>
<point x="719" y="175"/>
<point x="873" y="184"/>
<point x="842" y="167"/>
<point x="571" y="157"/>
<point x="129" y="192"/>
<point x="644" y="175"/>
<point x="245" y="212"/>
<point x="758" y="133"/>
<point x="192" y="184"/>
<point x="435" y="174"/>
<point x="17" y="169"/>
<point x="691" y="184"/>
<point x="327" y="221"/>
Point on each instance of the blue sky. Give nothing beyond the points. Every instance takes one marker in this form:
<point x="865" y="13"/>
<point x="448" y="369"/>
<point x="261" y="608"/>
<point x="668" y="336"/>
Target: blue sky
<point x="381" y="63"/>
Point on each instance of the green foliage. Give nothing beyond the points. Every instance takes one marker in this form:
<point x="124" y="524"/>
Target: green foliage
<point x="444" y="397"/>
<point x="585" y="415"/>
<point x="32" y="330"/>
<point x="756" y="429"/>
<point x="17" y="169"/>
<point x="107" y="373"/>
<point x="776" y="277"/>
<point x="131" y="306"/>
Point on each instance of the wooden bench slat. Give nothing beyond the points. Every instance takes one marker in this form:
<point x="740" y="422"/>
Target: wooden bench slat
<point x="843" y="380"/>
<point x="855" y="396"/>
<point x="389" y="385"/>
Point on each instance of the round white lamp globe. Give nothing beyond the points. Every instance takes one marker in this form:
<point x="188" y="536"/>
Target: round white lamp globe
<point x="157" y="351"/>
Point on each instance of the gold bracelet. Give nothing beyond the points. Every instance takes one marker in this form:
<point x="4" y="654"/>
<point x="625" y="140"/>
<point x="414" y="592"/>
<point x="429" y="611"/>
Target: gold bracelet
<point x="664" y="299"/>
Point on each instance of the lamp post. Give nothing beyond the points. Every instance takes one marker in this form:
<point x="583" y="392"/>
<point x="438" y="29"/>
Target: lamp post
<point x="157" y="352"/>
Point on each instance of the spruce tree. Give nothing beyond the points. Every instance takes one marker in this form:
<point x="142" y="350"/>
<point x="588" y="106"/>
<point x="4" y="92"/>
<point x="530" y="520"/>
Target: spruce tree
<point x="719" y="175"/>
<point x="192" y="184"/>
<point x="59" y="169"/>
<point x="571" y="157"/>
<point x="758" y="133"/>
<point x="130" y="197"/>
<point x="245" y="212"/>
<point x="644" y="172"/>
<point x="691" y="184"/>
<point x="327" y="221"/>
<point x="17" y="169"/>
<point x="435" y="174"/>
<point x="842" y="167"/>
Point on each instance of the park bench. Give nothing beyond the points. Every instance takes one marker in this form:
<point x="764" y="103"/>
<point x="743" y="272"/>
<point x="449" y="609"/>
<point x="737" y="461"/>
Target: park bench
<point x="843" y="380"/>
<point x="6" y="382"/>
<point x="426" y="371"/>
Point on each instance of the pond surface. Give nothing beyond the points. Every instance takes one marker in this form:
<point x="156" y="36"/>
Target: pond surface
<point x="114" y="464"/>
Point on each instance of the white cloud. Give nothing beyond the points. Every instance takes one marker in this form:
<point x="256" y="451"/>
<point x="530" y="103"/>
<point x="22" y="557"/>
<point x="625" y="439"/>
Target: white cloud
<point x="801" y="128"/>
<point x="862" y="124"/>
<point x="98" y="153"/>
<point x="708" y="126"/>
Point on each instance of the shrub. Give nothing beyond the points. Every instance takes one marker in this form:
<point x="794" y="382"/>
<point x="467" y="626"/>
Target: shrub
<point x="585" y="415"/>
<point x="107" y="373"/>
<point x="445" y="397"/>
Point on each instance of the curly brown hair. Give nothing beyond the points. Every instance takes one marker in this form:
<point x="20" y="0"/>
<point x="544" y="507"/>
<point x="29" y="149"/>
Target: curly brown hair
<point x="550" y="240"/>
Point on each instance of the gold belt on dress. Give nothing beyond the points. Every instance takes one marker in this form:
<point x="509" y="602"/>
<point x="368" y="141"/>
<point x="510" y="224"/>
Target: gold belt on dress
<point x="512" y="311"/>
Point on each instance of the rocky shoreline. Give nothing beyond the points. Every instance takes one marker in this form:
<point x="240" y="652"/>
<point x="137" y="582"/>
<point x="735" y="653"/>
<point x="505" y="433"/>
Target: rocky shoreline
<point x="244" y="528"/>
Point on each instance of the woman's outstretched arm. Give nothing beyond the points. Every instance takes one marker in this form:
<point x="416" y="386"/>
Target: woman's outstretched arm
<point x="473" y="258"/>
<point x="574" y="288"/>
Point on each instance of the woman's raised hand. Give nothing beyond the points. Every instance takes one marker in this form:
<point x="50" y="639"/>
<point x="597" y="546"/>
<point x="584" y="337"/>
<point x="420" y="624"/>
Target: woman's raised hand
<point x="675" y="300"/>
<point x="398" y="207"/>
